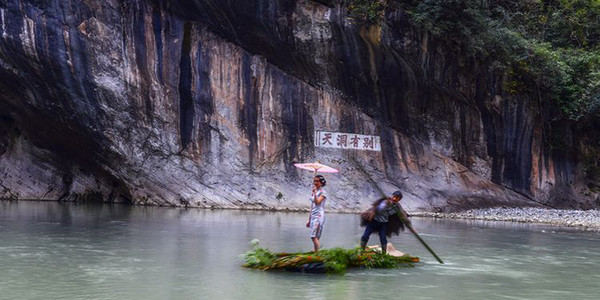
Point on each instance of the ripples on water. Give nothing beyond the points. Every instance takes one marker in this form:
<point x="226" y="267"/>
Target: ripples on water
<point x="66" y="251"/>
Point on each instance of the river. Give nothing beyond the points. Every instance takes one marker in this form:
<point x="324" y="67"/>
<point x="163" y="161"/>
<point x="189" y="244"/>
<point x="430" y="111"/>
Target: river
<point x="77" y="251"/>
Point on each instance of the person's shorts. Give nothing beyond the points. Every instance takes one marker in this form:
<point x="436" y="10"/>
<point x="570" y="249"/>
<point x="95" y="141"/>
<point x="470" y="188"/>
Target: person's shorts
<point x="316" y="227"/>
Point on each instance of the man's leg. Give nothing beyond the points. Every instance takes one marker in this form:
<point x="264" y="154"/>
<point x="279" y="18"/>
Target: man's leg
<point x="383" y="237"/>
<point x="365" y="237"/>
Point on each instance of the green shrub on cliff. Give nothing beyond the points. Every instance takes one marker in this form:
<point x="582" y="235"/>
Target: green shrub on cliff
<point x="550" y="49"/>
<point x="365" y="11"/>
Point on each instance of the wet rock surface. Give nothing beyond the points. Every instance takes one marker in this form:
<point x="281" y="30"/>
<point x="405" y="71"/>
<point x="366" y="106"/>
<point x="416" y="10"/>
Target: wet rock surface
<point x="209" y="103"/>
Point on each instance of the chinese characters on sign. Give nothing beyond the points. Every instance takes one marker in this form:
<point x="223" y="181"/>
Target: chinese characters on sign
<point x="341" y="140"/>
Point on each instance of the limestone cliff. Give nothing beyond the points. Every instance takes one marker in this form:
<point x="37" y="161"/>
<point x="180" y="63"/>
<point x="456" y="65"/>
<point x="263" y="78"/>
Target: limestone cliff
<point x="209" y="103"/>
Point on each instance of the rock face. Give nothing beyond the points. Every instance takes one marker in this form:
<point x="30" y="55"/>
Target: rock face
<point x="209" y="103"/>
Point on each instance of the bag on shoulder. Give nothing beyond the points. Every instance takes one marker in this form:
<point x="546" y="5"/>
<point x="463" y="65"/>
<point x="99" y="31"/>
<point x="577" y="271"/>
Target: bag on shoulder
<point x="366" y="216"/>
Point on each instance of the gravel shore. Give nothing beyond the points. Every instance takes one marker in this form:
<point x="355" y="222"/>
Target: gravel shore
<point x="584" y="219"/>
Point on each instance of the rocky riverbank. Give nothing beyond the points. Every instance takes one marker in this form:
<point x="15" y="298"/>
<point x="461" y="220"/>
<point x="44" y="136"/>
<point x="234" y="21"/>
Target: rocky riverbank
<point x="585" y="219"/>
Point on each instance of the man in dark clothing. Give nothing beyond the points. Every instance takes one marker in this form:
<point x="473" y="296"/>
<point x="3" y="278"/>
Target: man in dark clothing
<point x="386" y="217"/>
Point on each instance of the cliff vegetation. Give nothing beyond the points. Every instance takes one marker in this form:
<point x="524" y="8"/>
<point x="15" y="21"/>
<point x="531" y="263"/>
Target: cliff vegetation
<point x="547" y="49"/>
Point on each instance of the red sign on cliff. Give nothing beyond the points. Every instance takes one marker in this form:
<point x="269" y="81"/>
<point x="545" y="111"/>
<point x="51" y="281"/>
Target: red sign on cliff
<point x="341" y="140"/>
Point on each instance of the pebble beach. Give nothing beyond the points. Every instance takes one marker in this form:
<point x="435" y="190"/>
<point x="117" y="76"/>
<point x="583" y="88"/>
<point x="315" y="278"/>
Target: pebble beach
<point x="584" y="219"/>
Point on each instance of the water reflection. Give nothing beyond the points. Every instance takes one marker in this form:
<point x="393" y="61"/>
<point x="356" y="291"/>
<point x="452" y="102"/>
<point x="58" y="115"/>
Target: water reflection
<point x="57" y="251"/>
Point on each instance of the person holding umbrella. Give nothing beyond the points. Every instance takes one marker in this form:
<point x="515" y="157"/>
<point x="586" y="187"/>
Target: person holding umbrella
<point x="316" y="218"/>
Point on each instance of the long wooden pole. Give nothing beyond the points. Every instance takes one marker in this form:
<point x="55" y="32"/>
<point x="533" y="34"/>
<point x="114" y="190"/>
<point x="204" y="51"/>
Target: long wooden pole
<point x="425" y="244"/>
<point x="414" y="232"/>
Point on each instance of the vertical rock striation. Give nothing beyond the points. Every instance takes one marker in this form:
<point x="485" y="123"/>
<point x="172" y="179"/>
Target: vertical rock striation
<point x="209" y="103"/>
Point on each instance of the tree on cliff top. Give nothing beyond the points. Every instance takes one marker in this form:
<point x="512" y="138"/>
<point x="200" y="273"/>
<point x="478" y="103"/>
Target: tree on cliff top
<point x="542" y="46"/>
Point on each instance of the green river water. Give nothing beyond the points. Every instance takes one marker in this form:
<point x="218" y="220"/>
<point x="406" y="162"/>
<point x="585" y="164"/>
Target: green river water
<point x="68" y="251"/>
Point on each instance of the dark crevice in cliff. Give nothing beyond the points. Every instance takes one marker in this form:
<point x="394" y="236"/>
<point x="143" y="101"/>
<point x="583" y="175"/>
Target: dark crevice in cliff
<point x="8" y="132"/>
<point x="489" y="126"/>
<point x="396" y="112"/>
<point x="389" y="152"/>
<point x="517" y="160"/>
<point x="139" y="37"/>
<point x="349" y="122"/>
<point x="352" y="73"/>
<point x="120" y="193"/>
<point x="186" y="102"/>
<point x="249" y="110"/>
<point x="562" y="153"/>
<point x="508" y="134"/>
<point x="297" y="123"/>
<point x="67" y="181"/>
<point x="126" y="13"/>
<point x="142" y="61"/>
<point x="204" y="99"/>
<point x="71" y="145"/>
<point x="81" y="83"/>
<point x="157" y="26"/>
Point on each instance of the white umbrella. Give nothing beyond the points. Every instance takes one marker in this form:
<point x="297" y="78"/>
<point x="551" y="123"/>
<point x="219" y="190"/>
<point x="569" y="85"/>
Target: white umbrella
<point x="316" y="167"/>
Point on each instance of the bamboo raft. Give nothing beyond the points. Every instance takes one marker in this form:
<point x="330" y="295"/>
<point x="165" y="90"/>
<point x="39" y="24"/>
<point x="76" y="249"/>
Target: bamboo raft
<point x="331" y="261"/>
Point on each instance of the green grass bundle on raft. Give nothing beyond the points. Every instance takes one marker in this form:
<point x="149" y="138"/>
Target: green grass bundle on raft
<point x="336" y="260"/>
